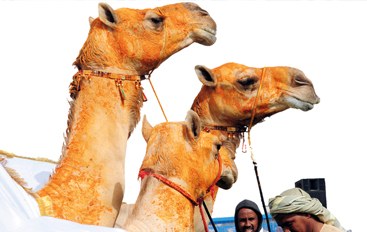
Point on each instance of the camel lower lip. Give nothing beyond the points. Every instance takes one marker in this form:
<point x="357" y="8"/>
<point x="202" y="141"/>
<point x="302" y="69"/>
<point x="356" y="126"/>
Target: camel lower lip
<point x="209" y="37"/>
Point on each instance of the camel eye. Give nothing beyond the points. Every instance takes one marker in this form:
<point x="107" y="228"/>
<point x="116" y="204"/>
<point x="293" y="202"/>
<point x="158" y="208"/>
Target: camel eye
<point x="203" y="12"/>
<point x="156" y="20"/>
<point x="247" y="82"/>
<point x="153" y="21"/>
<point x="301" y="80"/>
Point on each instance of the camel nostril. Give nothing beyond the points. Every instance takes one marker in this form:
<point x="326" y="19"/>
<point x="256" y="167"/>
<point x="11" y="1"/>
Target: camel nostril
<point x="302" y="80"/>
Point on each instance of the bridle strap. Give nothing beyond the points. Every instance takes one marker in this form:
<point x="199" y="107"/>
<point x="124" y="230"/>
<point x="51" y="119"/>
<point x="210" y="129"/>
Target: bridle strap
<point x="254" y="111"/>
<point x="208" y="128"/>
<point x="171" y="184"/>
<point x="175" y="186"/>
<point x="252" y="154"/>
<point x="163" y="47"/>
<point x="159" y="62"/>
<point x="257" y="99"/>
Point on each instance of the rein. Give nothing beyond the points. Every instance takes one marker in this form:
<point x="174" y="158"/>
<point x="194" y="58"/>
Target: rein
<point x="159" y="62"/>
<point x="185" y="193"/>
<point x="252" y="154"/>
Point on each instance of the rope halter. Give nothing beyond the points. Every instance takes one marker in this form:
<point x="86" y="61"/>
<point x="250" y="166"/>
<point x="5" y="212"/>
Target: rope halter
<point x="253" y="113"/>
<point x="119" y="79"/>
<point x="185" y="193"/>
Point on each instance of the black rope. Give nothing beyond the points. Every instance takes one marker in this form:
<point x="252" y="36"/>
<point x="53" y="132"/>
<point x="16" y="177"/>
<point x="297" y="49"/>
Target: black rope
<point x="261" y="195"/>
<point x="210" y="217"/>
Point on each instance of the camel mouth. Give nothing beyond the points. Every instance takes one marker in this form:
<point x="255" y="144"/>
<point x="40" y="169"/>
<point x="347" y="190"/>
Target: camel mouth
<point x="209" y="30"/>
<point x="205" y="36"/>
<point x="226" y="181"/>
<point x="224" y="184"/>
<point x="296" y="103"/>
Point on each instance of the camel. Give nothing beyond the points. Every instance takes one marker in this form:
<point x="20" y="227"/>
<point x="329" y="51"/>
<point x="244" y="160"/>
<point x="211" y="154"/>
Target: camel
<point x="180" y="166"/>
<point x="123" y="45"/>
<point x="224" y="105"/>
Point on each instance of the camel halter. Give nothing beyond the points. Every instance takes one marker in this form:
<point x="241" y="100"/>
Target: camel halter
<point x="119" y="79"/>
<point x="195" y="202"/>
<point x="159" y="62"/>
<point x="252" y="154"/>
<point x="232" y="130"/>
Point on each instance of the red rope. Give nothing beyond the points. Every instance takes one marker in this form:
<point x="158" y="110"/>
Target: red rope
<point x="203" y="217"/>
<point x="211" y="189"/>
<point x="143" y="174"/>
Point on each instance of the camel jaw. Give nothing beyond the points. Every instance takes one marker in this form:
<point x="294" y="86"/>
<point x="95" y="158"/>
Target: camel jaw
<point x="296" y="103"/>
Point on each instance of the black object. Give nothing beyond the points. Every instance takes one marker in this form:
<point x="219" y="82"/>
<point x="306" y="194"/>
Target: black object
<point x="210" y="217"/>
<point x="261" y="195"/>
<point x="315" y="187"/>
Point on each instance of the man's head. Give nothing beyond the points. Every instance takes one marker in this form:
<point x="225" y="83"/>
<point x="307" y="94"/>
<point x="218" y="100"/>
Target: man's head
<point x="298" y="222"/>
<point x="294" y="207"/>
<point x="247" y="220"/>
<point x="248" y="217"/>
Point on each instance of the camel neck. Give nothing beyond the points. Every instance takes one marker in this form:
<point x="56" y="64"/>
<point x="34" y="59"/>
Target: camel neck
<point x="91" y="172"/>
<point x="160" y="205"/>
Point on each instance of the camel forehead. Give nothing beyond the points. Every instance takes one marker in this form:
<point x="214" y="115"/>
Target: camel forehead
<point x="167" y="10"/>
<point x="231" y="71"/>
<point x="178" y="131"/>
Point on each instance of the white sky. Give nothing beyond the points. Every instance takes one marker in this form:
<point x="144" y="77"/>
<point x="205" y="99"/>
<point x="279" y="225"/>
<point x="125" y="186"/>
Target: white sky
<point x="39" y="41"/>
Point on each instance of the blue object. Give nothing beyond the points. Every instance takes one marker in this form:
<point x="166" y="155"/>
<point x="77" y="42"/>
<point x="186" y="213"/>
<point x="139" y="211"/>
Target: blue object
<point x="226" y="224"/>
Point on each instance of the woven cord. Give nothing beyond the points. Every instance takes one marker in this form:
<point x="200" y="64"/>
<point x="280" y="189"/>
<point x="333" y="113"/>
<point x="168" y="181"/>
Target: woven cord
<point x="253" y="114"/>
<point x="252" y="153"/>
<point x="159" y="62"/>
<point x="173" y="185"/>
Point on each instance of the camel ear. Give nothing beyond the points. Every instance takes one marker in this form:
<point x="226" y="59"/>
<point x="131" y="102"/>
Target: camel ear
<point x="107" y="15"/>
<point x="205" y="75"/>
<point x="90" y="20"/>
<point x="193" y="124"/>
<point x="146" y="129"/>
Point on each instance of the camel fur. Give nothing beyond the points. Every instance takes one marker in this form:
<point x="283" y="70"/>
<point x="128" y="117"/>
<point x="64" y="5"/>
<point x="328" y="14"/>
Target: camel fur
<point x="226" y="99"/>
<point x="89" y="183"/>
<point x="184" y="155"/>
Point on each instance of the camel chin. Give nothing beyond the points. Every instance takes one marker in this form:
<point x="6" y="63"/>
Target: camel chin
<point x="296" y="103"/>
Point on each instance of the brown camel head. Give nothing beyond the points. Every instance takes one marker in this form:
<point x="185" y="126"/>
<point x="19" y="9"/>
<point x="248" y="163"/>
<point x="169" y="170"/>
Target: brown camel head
<point x="130" y="41"/>
<point x="229" y="93"/>
<point x="183" y="153"/>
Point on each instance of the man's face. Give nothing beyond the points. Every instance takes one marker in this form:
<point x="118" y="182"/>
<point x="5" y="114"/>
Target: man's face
<point x="293" y="222"/>
<point x="247" y="220"/>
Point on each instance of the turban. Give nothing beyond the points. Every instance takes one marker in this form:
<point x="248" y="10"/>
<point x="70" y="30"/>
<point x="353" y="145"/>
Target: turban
<point x="298" y="201"/>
